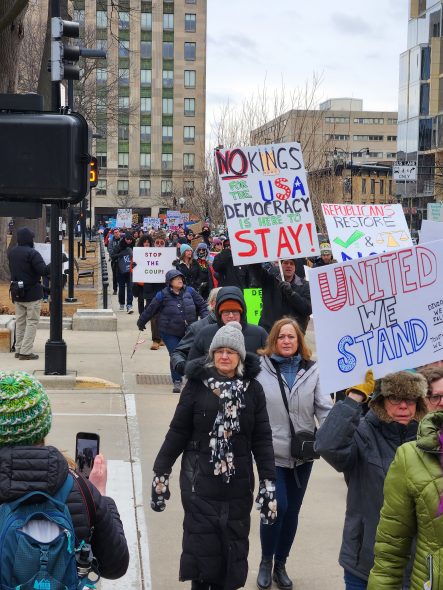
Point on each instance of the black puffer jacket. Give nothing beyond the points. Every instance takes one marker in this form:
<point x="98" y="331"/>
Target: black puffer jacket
<point x="26" y="469"/>
<point x="27" y="265"/>
<point x="181" y="351"/>
<point x="217" y="515"/>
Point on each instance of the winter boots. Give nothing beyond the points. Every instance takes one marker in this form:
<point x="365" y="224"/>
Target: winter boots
<point x="280" y="576"/>
<point x="264" y="578"/>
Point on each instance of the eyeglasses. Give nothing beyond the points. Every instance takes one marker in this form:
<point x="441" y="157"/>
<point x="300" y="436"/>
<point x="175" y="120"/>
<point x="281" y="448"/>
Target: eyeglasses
<point x="396" y="401"/>
<point x="230" y="312"/>
<point x="435" y="399"/>
<point x="223" y="351"/>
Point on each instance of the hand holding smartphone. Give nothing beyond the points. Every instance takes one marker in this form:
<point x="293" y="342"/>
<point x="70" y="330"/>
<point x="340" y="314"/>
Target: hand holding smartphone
<point x="87" y="447"/>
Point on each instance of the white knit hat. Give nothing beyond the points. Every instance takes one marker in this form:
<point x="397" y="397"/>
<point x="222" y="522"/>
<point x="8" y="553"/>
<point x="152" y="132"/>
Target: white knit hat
<point x="229" y="336"/>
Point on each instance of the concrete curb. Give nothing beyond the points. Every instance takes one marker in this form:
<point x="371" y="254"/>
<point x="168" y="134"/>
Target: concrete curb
<point x="72" y="382"/>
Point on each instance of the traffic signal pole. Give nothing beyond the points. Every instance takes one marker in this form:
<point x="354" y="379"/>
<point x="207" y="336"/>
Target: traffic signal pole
<point x="71" y="221"/>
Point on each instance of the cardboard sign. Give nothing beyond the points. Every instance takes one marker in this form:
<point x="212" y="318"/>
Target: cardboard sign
<point x="383" y="312"/>
<point x="254" y="305"/>
<point x="124" y="218"/>
<point x="430" y="231"/>
<point x="196" y="227"/>
<point x="356" y="231"/>
<point x="435" y="211"/>
<point x="152" y="264"/>
<point x="266" y="201"/>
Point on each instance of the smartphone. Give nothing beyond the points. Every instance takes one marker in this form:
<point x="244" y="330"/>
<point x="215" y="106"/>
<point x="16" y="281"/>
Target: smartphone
<point x="87" y="447"/>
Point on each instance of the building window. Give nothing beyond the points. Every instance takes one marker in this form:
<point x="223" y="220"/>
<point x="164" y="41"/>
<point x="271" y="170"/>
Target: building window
<point x="101" y="19"/>
<point x="123" y="103"/>
<point x="190" y="1"/>
<point x="101" y="76"/>
<point x="391" y="154"/>
<point x="382" y="186"/>
<point x="190" y="51"/>
<point x="144" y="188"/>
<point x="101" y="104"/>
<point x="167" y="134"/>
<point x="189" y="134"/>
<point x="123" y="132"/>
<point x="188" y="161"/>
<point x="79" y="16"/>
<point x="372" y="186"/>
<point x="166" y="161"/>
<point x="392" y="121"/>
<point x="370" y="155"/>
<point x="146" y="49"/>
<point x="123" y="20"/>
<point x="145" y="78"/>
<point x="123" y="187"/>
<point x="190" y="23"/>
<point x="168" y="50"/>
<point x="391" y="137"/>
<point x="337" y="119"/>
<point x="146" y="21"/>
<point x="189" y="78"/>
<point x="390" y="187"/>
<point x="123" y="48"/>
<point x="102" y="159"/>
<point x="123" y="77"/>
<point x="145" y="133"/>
<point x="369" y="121"/>
<point x="168" y="78"/>
<point x="145" y="104"/>
<point x="363" y="186"/>
<point x="188" y="188"/>
<point x="168" y="106"/>
<point x="123" y="160"/>
<point x="166" y="188"/>
<point x="101" y="187"/>
<point x="367" y="137"/>
<point x="102" y="44"/>
<point x="189" y="107"/>
<point x="145" y="161"/>
<point x="168" y="22"/>
<point x="338" y="137"/>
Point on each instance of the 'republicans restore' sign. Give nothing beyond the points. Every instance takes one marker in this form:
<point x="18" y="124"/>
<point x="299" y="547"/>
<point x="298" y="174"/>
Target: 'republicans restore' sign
<point x="266" y="202"/>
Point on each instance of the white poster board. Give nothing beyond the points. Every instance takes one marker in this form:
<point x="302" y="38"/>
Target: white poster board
<point x="435" y="211"/>
<point x="152" y="264"/>
<point x="430" y="231"/>
<point x="383" y="312"/>
<point x="45" y="251"/>
<point x="124" y="218"/>
<point x="357" y="230"/>
<point x="266" y="202"/>
<point x="151" y="222"/>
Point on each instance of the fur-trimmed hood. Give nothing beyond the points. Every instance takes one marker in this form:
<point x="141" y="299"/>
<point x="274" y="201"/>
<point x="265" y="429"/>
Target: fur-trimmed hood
<point x="196" y="368"/>
<point x="403" y="384"/>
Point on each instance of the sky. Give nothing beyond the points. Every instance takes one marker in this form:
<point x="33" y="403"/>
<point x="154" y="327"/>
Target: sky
<point x="352" y="45"/>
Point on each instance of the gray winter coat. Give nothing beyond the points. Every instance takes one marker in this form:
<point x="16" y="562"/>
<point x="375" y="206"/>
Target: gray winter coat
<point x="305" y="403"/>
<point x="363" y="449"/>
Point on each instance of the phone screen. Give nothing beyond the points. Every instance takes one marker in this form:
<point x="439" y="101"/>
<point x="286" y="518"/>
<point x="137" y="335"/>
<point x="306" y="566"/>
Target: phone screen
<point x="86" y="449"/>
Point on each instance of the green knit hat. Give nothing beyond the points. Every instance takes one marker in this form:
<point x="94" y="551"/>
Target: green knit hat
<point x="25" y="409"/>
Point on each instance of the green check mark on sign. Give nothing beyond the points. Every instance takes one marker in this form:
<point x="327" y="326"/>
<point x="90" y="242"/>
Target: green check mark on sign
<point x="353" y="238"/>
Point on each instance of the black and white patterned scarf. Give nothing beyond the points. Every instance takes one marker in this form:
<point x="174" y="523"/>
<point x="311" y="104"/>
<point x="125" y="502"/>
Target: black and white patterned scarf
<point x="227" y="421"/>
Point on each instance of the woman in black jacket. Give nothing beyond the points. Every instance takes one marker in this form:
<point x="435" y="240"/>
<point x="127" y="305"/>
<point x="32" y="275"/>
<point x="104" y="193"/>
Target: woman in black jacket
<point x="29" y="465"/>
<point x="221" y="417"/>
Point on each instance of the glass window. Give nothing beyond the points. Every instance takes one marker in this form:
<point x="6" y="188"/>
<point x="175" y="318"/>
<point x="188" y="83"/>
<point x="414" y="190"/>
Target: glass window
<point x="79" y="16"/>
<point x="391" y="138"/>
<point x="188" y="188"/>
<point x="190" y="51"/>
<point x="145" y="161"/>
<point x="123" y="160"/>
<point x="122" y="187"/>
<point x="425" y="63"/>
<point x="101" y="103"/>
<point x="189" y="134"/>
<point x="424" y="99"/>
<point x="189" y="107"/>
<point x="145" y="133"/>
<point x="146" y="49"/>
<point x="102" y="44"/>
<point x="166" y="188"/>
<point x="367" y="137"/>
<point x="168" y="22"/>
<point x="166" y="161"/>
<point x="123" y="132"/>
<point x="363" y="186"/>
<point x="145" y="77"/>
<point x="123" y="20"/>
<point x="337" y="119"/>
<point x="369" y="121"/>
<point x="146" y="21"/>
<point x="168" y="106"/>
<point x="123" y="48"/>
<point x="190" y="1"/>
<point x="145" y="104"/>
<point x="392" y="121"/>
<point x="101" y="75"/>
<point x="101" y="187"/>
<point x="123" y="77"/>
<point x="382" y="186"/>
<point x="167" y="132"/>
<point x="372" y="186"/>
<point x="188" y="161"/>
<point x="190" y="23"/>
<point x="168" y="78"/>
<point x="101" y="19"/>
<point x="168" y="50"/>
<point x="123" y="103"/>
<point x="145" y="188"/>
<point x="102" y="159"/>
<point x="189" y="78"/>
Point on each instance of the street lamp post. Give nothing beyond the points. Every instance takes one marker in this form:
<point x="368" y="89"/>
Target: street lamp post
<point x="363" y="151"/>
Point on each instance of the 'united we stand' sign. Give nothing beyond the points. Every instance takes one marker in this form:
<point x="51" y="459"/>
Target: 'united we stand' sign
<point x="266" y="202"/>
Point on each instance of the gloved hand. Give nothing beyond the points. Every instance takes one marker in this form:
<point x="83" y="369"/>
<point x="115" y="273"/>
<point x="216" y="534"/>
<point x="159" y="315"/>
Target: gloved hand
<point x="285" y="288"/>
<point x="365" y="389"/>
<point x="266" y="501"/>
<point x="180" y="368"/>
<point x="160" y="492"/>
<point x="141" y="326"/>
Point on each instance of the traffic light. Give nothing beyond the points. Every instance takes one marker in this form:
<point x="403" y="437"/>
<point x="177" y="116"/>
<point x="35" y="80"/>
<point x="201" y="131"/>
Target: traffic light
<point x="63" y="57"/>
<point x="93" y="172"/>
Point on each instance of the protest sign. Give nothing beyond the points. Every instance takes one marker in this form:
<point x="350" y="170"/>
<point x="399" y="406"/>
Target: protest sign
<point x="357" y="230"/>
<point x="124" y="218"/>
<point x="383" y="312"/>
<point x="266" y="202"/>
<point x="45" y="251"/>
<point x="196" y="227"/>
<point x="152" y="264"/>
<point x="435" y="211"/>
<point x="254" y="305"/>
<point x="430" y="231"/>
<point x="149" y="222"/>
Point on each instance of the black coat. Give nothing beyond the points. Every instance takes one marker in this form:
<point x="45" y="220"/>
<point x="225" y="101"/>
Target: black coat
<point x="26" y="469"/>
<point x="227" y="274"/>
<point x="191" y="273"/>
<point x="27" y="265"/>
<point x="181" y="351"/>
<point x="217" y="515"/>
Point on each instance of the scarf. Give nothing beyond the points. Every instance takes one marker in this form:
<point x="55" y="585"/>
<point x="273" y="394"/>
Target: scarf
<point x="227" y="421"/>
<point x="288" y="367"/>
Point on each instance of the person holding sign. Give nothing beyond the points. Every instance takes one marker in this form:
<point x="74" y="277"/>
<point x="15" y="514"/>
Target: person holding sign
<point x="363" y="449"/>
<point x="226" y="273"/>
<point x="122" y="255"/>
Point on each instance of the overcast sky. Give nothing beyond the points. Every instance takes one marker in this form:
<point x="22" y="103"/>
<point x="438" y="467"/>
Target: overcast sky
<point x="354" y="45"/>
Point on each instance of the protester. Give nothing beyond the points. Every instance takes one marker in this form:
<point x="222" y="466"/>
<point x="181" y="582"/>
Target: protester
<point x="325" y="255"/>
<point x="159" y="238"/>
<point x="28" y="465"/>
<point x="26" y="267"/>
<point x="230" y="306"/>
<point x="413" y="503"/>
<point x="217" y="245"/>
<point x="113" y="244"/>
<point x="122" y="254"/>
<point x="287" y="370"/>
<point x="363" y="449"/>
<point x="203" y="281"/>
<point x="187" y="265"/>
<point x="178" y="307"/>
<point x="287" y="297"/>
<point x="221" y="417"/>
<point x="226" y="273"/>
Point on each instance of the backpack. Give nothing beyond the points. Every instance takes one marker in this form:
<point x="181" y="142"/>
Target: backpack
<point x="30" y="564"/>
<point x="124" y="262"/>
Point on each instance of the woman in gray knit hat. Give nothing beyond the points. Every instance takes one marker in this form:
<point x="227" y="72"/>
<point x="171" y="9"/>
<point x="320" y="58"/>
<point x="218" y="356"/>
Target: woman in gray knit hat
<point x="221" y="417"/>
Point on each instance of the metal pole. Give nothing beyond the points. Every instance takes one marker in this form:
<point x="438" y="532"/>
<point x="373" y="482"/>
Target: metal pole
<point x="70" y="298"/>
<point x="90" y="214"/>
<point x="352" y="187"/>
<point x="83" y="227"/>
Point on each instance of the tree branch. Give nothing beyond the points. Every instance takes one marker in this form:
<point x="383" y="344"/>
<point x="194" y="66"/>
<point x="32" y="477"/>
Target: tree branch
<point x="13" y="13"/>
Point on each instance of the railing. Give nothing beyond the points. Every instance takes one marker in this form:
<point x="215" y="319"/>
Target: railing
<point x="104" y="273"/>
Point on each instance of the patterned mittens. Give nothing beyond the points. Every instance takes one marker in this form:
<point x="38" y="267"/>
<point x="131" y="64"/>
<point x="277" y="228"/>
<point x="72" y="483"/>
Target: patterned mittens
<point x="266" y="501"/>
